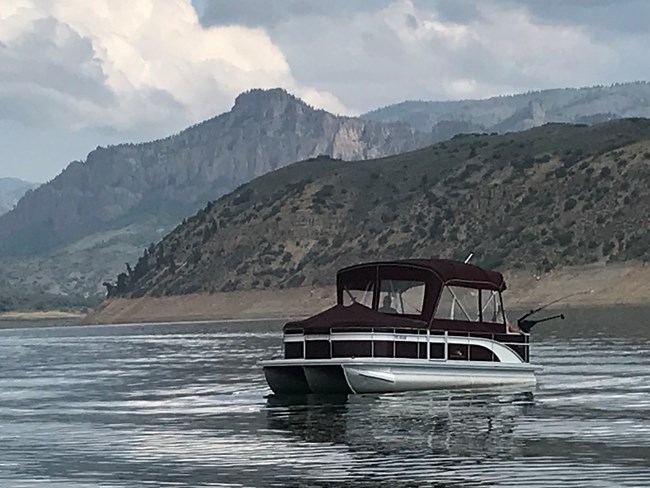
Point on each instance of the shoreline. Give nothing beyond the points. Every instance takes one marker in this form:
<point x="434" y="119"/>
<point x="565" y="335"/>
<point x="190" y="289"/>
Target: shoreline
<point x="597" y="285"/>
<point x="7" y="324"/>
<point x="41" y="315"/>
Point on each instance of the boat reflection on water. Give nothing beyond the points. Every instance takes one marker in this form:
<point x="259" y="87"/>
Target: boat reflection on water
<point x="312" y="417"/>
<point x="446" y="422"/>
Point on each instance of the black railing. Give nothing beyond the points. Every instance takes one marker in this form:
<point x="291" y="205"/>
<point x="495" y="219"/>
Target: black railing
<point x="427" y="345"/>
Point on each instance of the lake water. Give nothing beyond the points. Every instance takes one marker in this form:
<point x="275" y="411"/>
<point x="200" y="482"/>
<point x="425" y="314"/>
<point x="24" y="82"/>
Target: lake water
<point x="185" y="405"/>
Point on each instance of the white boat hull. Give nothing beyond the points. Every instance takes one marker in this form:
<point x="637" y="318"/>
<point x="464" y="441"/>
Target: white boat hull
<point x="372" y="378"/>
<point x="383" y="375"/>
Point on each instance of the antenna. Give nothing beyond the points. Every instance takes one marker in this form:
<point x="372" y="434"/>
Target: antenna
<point x="469" y="257"/>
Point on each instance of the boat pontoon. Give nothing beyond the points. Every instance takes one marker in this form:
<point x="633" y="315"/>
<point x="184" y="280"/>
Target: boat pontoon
<point x="405" y="325"/>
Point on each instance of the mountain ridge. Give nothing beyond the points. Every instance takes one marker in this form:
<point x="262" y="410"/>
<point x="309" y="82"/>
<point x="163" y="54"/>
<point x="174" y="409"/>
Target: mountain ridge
<point x="556" y="195"/>
<point x="567" y="105"/>
<point x="142" y="190"/>
<point x="116" y="180"/>
<point x="71" y="234"/>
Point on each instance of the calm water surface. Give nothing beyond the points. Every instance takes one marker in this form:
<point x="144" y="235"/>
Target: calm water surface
<point x="185" y="405"/>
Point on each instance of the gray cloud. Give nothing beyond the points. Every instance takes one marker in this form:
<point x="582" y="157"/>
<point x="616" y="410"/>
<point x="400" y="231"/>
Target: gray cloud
<point x="409" y="50"/>
<point x="266" y="14"/>
<point x="599" y="16"/>
<point x="47" y="73"/>
<point x="461" y="12"/>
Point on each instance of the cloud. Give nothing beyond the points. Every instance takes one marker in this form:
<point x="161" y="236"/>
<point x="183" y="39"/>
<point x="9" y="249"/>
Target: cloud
<point x="100" y="71"/>
<point x="125" y="64"/>
<point x="266" y="14"/>
<point x="143" y="64"/>
<point x="375" y="53"/>
<point x="600" y="17"/>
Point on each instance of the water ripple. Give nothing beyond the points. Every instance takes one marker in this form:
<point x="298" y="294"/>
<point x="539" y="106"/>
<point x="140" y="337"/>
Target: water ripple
<point x="186" y="405"/>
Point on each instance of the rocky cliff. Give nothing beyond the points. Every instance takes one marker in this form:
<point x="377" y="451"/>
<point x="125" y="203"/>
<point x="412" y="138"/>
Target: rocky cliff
<point x="553" y="196"/>
<point x="523" y="111"/>
<point x="78" y="229"/>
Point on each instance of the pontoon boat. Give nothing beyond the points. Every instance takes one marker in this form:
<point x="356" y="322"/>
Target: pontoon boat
<point x="405" y="325"/>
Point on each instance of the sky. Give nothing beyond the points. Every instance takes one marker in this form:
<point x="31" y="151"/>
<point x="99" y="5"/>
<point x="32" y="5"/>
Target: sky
<point x="76" y="74"/>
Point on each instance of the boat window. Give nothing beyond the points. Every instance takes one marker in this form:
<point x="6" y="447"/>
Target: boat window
<point x="458" y="303"/>
<point x="360" y="293"/>
<point x="401" y="297"/>
<point x="491" y="303"/>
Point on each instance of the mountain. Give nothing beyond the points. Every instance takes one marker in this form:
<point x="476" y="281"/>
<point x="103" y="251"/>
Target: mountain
<point x="519" y="112"/>
<point x="550" y="196"/>
<point x="75" y="231"/>
<point x="11" y="190"/>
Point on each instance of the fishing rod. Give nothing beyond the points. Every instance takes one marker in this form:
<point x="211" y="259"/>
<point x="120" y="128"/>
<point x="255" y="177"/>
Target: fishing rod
<point x="525" y="325"/>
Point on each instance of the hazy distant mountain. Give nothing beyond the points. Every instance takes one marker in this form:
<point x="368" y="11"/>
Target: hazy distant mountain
<point x="520" y="112"/>
<point x="12" y="190"/>
<point x="100" y="213"/>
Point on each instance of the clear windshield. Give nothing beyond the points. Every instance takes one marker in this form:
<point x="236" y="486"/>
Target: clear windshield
<point x="458" y="303"/>
<point x="360" y="293"/>
<point x="461" y="303"/>
<point x="401" y="297"/>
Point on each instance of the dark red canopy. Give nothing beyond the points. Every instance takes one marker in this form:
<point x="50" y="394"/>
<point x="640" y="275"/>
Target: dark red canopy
<point x="354" y="315"/>
<point x="446" y="271"/>
<point x="434" y="273"/>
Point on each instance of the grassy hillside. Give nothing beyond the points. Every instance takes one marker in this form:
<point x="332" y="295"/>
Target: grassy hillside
<point x="550" y="196"/>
